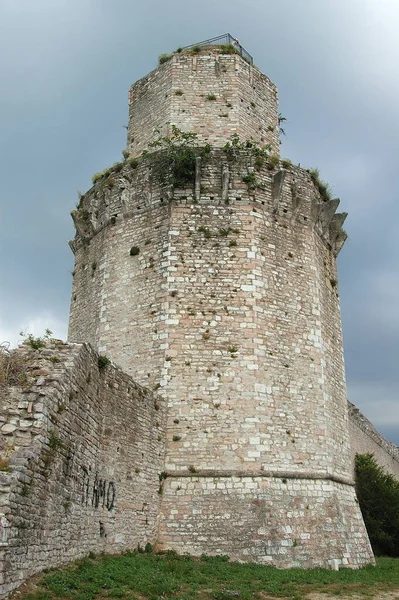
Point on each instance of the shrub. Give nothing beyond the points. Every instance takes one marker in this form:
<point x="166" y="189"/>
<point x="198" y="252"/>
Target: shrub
<point x="176" y="160"/>
<point x="251" y="181"/>
<point x="227" y="49"/>
<point x="117" y="167"/>
<point x="36" y="342"/>
<point x="286" y="163"/>
<point x="178" y="92"/>
<point x="96" y="177"/>
<point x="322" y="186"/>
<point x="205" y="231"/>
<point x="4" y="466"/>
<point x="125" y="154"/>
<point x="196" y="50"/>
<point x="234" y="147"/>
<point x="273" y="161"/>
<point x="134" y="251"/>
<point x="133" y="163"/>
<point x="378" y="495"/>
<point x="110" y="182"/>
<point x="12" y="366"/>
<point x="54" y="442"/>
<point x="103" y="362"/>
<point x="211" y="97"/>
<point x="163" y="58"/>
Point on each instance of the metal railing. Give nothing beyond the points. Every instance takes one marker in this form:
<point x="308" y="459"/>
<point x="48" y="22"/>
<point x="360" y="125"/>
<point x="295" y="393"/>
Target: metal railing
<point x="225" y="40"/>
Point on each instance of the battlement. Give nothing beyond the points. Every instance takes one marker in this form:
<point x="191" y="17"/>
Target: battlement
<point x="210" y="92"/>
<point x="288" y="195"/>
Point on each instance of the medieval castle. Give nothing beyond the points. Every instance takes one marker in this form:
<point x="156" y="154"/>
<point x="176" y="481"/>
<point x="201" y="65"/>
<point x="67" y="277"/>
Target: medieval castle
<point x="205" y="270"/>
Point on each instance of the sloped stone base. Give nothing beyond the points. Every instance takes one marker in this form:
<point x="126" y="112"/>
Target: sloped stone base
<point x="283" y="522"/>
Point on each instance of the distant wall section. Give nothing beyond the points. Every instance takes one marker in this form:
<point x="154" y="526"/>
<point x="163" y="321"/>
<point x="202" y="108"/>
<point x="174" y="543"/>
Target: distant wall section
<point x="81" y="452"/>
<point x="365" y="438"/>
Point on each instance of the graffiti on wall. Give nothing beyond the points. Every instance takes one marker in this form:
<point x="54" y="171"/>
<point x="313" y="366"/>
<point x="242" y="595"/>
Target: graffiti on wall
<point x="97" y="492"/>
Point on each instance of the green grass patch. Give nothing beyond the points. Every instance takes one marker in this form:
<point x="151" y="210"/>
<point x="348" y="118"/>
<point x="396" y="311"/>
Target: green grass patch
<point x="149" y="576"/>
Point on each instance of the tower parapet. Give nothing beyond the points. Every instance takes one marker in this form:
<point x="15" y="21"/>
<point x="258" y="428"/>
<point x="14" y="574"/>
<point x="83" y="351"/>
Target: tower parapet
<point x="221" y="291"/>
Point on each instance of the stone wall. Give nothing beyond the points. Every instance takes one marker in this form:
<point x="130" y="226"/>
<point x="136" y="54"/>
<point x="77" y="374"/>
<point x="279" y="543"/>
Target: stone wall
<point x="223" y="293"/>
<point x="275" y="520"/>
<point x="82" y="449"/>
<point x="215" y="95"/>
<point x="365" y="439"/>
<point x="229" y="305"/>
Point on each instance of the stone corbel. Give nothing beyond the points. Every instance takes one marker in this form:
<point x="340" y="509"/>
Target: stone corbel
<point x="125" y="201"/>
<point x="337" y="234"/>
<point x="78" y="224"/>
<point x="277" y="188"/>
<point x="340" y="241"/>
<point x="4" y="527"/>
<point x="147" y="192"/>
<point x="198" y="178"/>
<point x="297" y="199"/>
<point x="225" y="181"/>
<point x="326" y="212"/>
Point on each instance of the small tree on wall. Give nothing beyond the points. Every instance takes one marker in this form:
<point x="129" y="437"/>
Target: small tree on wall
<point x="378" y="495"/>
<point x="175" y="161"/>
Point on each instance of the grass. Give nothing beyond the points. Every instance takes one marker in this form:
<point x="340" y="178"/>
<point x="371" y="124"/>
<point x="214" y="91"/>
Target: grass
<point x="149" y="576"/>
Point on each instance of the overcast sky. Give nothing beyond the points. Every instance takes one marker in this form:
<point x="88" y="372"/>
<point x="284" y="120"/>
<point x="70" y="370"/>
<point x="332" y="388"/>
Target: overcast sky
<point x="65" y="69"/>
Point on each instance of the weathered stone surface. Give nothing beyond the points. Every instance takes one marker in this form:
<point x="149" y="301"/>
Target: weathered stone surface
<point x="8" y="428"/>
<point x="230" y="306"/>
<point x="244" y="103"/>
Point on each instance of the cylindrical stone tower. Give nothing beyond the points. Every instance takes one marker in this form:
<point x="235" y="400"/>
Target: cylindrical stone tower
<point x="218" y="285"/>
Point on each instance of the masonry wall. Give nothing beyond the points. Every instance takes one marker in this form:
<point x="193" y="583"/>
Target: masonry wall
<point x="82" y="450"/>
<point x="228" y="302"/>
<point x="212" y="94"/>
<point x="118" y="299"/>
<point x="255" y="385"/>
<point x="365" y="439"/>
<point x="231" y="308"/>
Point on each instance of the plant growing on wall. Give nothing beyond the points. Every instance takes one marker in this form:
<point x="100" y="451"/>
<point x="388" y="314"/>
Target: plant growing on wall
<point x="12" y="366"/>
<point x="36" y="342"/>
<point x="236" y="146"/>
<point x="175" y="156"/>
<point x="322" y="186"/>
<point x="163" y="58"/>
<point x="281" y="119"/>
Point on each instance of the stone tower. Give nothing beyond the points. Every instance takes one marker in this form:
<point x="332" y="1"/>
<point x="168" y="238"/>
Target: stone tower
<point x="220" y="290"/>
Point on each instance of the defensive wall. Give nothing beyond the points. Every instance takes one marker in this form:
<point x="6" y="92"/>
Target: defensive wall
<point x="81" y="448"/>
<point x="365" y="439"/>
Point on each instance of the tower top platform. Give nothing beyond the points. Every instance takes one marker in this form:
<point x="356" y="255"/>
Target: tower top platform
<point x="226" y="39"/>
<point x="211" y="89"/>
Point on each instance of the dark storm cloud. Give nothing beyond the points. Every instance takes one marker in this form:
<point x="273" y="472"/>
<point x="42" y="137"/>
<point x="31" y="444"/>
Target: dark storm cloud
<point x="65" y="70"/>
